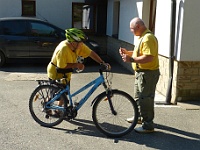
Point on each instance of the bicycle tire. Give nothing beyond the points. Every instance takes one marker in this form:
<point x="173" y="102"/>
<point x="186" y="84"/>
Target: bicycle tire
<point x="115" y="125"/>
<point x="42" y="116"/>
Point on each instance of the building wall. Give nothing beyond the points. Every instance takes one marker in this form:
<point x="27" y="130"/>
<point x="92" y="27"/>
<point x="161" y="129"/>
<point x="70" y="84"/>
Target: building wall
<point x="56" y="12"/>
<point x="128" y="10"/>
<point x="187" y="24"/>
<point x="188" y="28"/>
<point x="186" y="79"/>
<point x="162" y="26"/>
<point x="61" y="15"/>
<point x="8" y="10"/>
<point x="186" y="72"/>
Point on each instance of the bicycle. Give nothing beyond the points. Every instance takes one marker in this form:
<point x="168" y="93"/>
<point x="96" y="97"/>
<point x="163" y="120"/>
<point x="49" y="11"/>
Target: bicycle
<point x="110" y="109"/>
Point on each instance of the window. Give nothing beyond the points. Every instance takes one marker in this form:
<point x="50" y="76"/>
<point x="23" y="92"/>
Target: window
<point x="28" y="8"/>
<point x="14" y="28"/>
<point x="42" y="30"/>
<point x="83" y="16"/>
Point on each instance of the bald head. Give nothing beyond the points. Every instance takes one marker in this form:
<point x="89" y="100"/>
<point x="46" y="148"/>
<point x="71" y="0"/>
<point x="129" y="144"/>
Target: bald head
<point x="137" y="26"/>
<point x="137" y="20"/>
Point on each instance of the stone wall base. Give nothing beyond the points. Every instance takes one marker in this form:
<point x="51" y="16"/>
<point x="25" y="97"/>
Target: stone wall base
<point x="186" y="80"/>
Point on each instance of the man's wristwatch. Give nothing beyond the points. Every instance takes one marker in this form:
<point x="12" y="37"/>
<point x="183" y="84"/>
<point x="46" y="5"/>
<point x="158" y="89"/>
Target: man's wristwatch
<point x="131" y="59"/>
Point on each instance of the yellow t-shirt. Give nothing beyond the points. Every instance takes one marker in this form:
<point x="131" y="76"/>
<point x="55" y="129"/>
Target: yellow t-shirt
<point x="64" y="55"/>
<point x="148" y="46"/>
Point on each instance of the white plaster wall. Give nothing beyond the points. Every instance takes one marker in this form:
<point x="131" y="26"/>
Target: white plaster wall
<point x="162" y="26"/>
<point x="134" y="8"/>
<point x="128" y="10"/>
<point x="10" y="8"/>
<point x="189" y="48"/>
<point x="145" y="9"/>
<point x="57" y="12"/>
<point x="187" y="29"/>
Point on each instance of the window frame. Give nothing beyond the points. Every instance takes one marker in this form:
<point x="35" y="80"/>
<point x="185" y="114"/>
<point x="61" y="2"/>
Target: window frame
<point x="29" y="3"/>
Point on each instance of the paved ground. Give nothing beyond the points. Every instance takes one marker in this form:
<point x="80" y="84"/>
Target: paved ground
<point x="177" y="127"/>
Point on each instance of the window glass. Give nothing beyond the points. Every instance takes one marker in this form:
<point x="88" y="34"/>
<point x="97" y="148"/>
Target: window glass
<point x="42" y="30"/>
<point x="17" y="28"/>
<point x="28" y="8"/>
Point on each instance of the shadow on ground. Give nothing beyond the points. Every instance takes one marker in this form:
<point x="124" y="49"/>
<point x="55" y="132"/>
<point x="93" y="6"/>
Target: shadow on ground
<point x="165" y="137"/>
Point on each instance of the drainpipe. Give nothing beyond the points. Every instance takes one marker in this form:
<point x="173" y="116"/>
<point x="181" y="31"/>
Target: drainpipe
<point x="171" y="57"/>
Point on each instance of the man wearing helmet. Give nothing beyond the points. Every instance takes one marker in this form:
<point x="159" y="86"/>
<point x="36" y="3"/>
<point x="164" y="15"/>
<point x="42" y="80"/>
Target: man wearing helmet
<point x="66" y="54"/>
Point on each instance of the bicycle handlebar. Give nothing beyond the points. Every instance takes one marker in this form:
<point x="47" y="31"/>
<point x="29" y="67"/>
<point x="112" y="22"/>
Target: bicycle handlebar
<point x="103" y="68"/>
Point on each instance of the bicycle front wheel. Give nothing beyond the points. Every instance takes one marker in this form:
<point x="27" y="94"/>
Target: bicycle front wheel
<point x="51" y="116"/>
<point x="115" y="124"/>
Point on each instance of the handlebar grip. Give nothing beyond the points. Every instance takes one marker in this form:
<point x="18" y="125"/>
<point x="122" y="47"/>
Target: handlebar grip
<point x="104" y="67"/>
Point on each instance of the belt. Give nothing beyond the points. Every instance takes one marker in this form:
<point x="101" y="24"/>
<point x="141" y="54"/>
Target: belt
<point x="53" y="64"/>
<point x="145" y="70"/>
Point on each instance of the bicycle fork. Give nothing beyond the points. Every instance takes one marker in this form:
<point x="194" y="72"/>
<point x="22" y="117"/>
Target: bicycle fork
<point x="109" y="96"/>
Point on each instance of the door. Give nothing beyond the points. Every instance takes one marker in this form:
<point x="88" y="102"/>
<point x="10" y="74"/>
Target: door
<point x="152" y="15"/>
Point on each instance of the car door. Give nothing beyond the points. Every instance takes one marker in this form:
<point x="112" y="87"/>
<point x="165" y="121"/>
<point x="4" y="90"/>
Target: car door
<point x="14" y="40"/>
<point x="43" y="38"/>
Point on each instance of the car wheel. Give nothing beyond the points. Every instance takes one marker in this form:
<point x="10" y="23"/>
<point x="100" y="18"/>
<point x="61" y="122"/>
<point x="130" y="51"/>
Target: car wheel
<point x="2" y="59"/>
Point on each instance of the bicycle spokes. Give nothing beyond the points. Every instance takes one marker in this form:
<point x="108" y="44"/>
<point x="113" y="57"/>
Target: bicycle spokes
<point x="110" y="117"/>
<point x="47" y="115"/>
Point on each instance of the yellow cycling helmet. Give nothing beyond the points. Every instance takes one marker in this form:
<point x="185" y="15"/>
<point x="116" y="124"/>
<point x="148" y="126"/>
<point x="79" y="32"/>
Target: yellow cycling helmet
<point x="75" y="35"/>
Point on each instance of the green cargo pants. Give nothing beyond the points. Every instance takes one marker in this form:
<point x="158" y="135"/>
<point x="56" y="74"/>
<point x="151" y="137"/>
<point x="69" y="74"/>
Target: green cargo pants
<point x="145" y="86"/>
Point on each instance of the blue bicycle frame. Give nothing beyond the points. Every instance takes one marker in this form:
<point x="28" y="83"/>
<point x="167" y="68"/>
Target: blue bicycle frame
<point x="95" y="84"/>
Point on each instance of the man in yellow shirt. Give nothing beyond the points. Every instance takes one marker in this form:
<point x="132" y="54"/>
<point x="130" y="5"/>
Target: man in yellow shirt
<point x="66" y="54"/>
<point x="144" y="59"/>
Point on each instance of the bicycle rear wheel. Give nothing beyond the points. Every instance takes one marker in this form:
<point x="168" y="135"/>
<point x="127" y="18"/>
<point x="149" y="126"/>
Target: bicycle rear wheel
<point x="43" y="116"/>
<point x="115" y="125"/>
